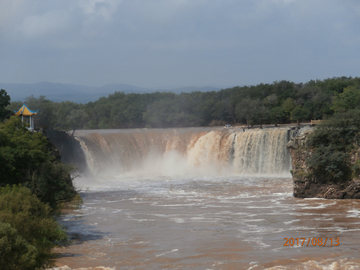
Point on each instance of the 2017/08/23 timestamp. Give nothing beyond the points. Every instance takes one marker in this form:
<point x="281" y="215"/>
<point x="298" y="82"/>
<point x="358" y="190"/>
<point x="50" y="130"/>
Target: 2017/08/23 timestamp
<point x="311" y="241"/>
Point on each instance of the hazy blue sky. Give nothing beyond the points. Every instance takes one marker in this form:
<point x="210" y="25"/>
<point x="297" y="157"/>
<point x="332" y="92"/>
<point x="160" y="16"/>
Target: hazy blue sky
<point x="178" y="42"/>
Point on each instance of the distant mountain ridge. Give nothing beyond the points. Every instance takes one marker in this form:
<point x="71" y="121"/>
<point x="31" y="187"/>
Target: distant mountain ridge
<point x="82" y="94"/>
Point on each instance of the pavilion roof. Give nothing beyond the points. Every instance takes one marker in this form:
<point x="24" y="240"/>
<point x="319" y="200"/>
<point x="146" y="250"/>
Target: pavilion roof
<point x="25" y="111"/>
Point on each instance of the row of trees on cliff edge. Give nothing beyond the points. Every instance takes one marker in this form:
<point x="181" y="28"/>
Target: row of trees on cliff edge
<point x="33" y="185"/>
<point x="277" y="103"/>
<point x="332" y="149"/>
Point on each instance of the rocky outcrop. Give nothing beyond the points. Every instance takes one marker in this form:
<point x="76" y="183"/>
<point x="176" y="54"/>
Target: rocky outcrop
<point x="69" y="148"/>
<point x="306" y="185"/>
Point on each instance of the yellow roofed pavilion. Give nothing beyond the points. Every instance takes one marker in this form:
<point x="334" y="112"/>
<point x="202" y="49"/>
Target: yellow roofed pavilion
<point x="26" y="114"/>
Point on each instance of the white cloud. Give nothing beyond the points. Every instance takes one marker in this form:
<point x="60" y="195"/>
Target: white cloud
<point x="50" y="22"/>
<point x="11" y="12"/>
<point x="8" y="8"/>
<point x="99" y="8"/>
<point x="28" y="19"/>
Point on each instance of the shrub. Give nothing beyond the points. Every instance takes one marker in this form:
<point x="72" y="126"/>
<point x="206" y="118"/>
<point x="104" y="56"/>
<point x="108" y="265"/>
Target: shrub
<point x="16" y="252"/>
<point x="332" y="142"/>
<point x="53" y="184"/>
<point x="32" y="220"/>
<point x="341" y="131"/>
<point x="329" y="164"/>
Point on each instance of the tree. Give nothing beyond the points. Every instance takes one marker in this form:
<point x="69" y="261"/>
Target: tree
<point x="298" y="114"/>
<point x="349" y="99"/>
<point x="46" y="117"/>
<point x="270" y="100"/>
<point x="4" y="102"/>
<point x="62" y="115"/>
<point x="288" y="105"/>
<point x="321" y="105"/>
<point x="253" y="111"/>
<point x="278" y="115"/>
<point x="261" y="114"/>
<point x="164" y="113"/>
<point x="120" y="110"/>
<point x="133" y="114"/>
<point x="284" y="89"/>
<point x="26" y="159"/>
<point x="76" y="119"/>
<point x="245" y="110"/>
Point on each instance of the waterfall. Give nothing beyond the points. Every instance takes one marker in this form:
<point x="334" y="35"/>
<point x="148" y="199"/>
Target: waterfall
<point x="262" y="152"/>
<point x="254" y="151"/>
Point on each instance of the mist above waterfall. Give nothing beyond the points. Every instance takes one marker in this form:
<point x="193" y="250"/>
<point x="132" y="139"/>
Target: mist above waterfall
<point x="186" y="151"/>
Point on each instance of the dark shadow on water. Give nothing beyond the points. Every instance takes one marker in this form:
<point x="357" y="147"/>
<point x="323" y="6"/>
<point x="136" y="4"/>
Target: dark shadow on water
<point x="79" y="232"/>
<point x="77" y="229"/>
<point x="75" y="222"/>
<point x="66" y="255"/>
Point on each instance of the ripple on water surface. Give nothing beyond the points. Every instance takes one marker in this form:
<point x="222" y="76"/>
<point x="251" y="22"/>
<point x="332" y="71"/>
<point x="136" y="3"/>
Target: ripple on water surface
<point x="201" y="223"/>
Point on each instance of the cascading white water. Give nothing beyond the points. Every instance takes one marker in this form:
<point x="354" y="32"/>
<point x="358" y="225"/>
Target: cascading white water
<point x="254" y="151"/>
<point x="262" y="152"/>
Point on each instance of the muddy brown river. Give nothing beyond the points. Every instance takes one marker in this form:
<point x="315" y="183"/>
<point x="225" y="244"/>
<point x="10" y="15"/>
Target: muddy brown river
<point x="209" y="223"/>
<point x="202" y="199"/>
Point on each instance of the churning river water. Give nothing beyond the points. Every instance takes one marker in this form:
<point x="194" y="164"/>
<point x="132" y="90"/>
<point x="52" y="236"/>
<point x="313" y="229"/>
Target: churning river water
<point x="172" y="216"/>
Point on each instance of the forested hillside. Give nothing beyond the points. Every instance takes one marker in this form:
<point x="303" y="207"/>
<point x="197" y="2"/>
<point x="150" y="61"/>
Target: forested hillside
<point x="277" y="103"/>
<point x="34" y="185"/>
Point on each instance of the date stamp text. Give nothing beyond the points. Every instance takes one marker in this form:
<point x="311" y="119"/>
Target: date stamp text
<point x="312" y="241"/>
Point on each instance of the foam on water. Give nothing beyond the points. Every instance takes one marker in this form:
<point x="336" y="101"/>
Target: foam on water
<point x="198" y="217"/>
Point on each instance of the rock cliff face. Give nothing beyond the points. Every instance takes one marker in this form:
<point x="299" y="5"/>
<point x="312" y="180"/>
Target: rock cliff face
<point x="306" y="185"/>
<point x="68" y="147"/>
